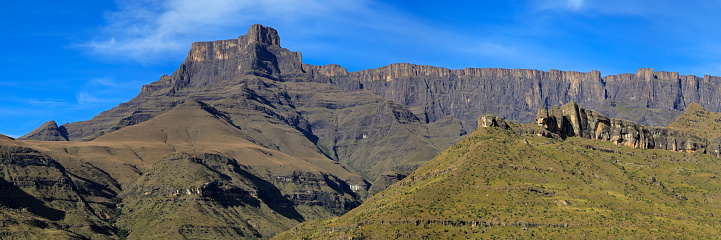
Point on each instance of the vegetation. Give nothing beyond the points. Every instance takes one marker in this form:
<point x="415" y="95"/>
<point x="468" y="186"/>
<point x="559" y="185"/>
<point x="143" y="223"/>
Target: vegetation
<point x="496" y="184"/>
<point x="699" y="122"/>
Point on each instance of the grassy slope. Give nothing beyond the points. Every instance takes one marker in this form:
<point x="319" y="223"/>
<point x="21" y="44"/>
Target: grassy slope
<point x="40" y="199"/>
<point x="203" y="197"/>
<point x="699" y="122"/>
<point x="495" y="185"/>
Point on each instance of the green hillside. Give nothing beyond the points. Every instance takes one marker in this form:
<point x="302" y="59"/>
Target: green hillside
<point x="499" y="184"/>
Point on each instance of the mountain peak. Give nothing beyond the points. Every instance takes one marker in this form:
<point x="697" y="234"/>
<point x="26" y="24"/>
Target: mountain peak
<point x="261" y="34"/>
<point x="49" y="131"/>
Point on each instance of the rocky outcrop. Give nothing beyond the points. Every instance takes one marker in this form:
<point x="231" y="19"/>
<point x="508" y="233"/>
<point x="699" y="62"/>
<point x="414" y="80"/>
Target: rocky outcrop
<point x="571" y="120"/>
<point x="488" y="120"/>
<point x="49" y="131"/>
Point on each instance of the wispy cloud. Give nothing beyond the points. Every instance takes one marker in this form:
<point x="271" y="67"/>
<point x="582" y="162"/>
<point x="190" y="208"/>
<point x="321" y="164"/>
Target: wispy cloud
<point x="47" y="102"/>
<point x="146" y="30"/>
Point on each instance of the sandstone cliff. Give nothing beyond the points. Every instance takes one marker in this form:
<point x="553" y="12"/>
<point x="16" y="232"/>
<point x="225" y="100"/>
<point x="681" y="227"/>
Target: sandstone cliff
<point x="571" y="120"/>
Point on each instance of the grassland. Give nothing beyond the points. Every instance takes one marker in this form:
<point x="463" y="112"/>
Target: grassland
<point x="496" y="184"/>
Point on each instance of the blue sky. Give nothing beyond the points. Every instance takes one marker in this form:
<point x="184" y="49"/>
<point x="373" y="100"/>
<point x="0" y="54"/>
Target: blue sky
<point x="70" y="60"/>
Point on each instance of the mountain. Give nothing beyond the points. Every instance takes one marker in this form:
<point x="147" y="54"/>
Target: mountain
<point x="243" y="172"/>
<point x="244" y="140"/>
<point x="47" y="132"/>
<point x="239" y="130"/>
<point x="509" y="180"/>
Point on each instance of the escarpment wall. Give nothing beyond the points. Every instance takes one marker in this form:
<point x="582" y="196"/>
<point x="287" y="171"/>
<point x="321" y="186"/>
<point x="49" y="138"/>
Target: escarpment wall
<point x="648" y="97"/>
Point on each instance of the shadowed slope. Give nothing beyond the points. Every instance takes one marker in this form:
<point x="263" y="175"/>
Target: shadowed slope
<point x="196" y="146"/>
<point x="39" y="198"/>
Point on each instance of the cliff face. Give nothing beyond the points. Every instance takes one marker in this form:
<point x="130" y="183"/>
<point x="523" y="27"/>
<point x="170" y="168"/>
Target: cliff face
<point x="647" y="97"/>
<point x="571" y="120"/>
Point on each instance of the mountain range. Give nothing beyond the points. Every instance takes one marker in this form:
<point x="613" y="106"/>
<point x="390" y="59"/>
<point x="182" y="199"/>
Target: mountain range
<point x="244" y="140"/>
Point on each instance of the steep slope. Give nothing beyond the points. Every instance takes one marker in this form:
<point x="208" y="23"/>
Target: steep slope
<point x="648" y="97"/>
<point x="39" y="198"/>
<point x="368" y="133"/>
<point x="208" y="66"/>
<point x="49" y="131"/>
<point x="206" y="196"/>
<point x="255" y="82"/>
<point x="503" y="183"/>
<point x="227" y="100"/>
<point x="196" y="146"/>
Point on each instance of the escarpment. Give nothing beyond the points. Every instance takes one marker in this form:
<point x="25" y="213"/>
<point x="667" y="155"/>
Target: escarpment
<point x="652" y="98"/>
<point x="649" y="97"/>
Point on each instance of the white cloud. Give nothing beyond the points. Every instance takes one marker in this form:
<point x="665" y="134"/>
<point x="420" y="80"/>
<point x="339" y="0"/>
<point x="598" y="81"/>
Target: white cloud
<point x="145" y="30"/>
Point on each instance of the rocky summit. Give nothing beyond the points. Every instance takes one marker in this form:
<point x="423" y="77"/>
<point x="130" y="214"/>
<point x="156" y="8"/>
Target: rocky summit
<point x="244" y="140"/>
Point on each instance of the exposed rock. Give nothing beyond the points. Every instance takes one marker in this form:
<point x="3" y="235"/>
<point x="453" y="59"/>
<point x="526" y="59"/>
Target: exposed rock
<point x="488" y="120"/>
<point x="571" y="120"/>
<point x="49" y="131"/>
<point x="648" y="97"/>
<point x="266" y="35"/>
<point x="208" y="64"/>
